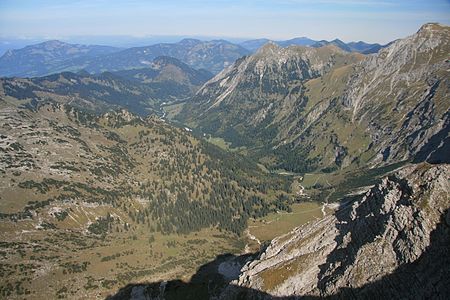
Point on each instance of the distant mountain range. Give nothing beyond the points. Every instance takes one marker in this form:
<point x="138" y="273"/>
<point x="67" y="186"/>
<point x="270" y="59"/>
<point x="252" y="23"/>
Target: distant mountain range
<point x="48" y="57"/>
<point x="253" y="45"/>
<point x="361" y="47"/>
<point x="139" y="90"/>
<point x="277" y="102"/>
<point x="55" y="56"/>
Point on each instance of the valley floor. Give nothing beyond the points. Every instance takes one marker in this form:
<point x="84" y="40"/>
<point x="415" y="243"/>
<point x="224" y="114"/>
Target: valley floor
<point x="50" y="264"/>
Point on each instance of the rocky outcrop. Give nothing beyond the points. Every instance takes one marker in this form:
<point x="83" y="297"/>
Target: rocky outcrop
<point x="269" y="74"/>
<point x="401" y="93"/>
<point x="393" y="242"/>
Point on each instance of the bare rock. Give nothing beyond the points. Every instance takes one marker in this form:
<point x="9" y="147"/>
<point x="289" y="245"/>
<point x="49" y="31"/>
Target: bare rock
<point x="393" y="242"/>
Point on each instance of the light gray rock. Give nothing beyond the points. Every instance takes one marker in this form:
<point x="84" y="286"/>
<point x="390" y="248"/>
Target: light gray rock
<point x="391" y="243"/>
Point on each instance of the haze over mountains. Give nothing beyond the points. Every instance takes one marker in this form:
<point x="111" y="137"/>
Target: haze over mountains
<point x="38" y="60"/>
<point x="125" y="170"/>
<point x="360" y="46"/>
<point x="48" y="57"/>
<point x="55" y="56"/>
<point x="140" y="90"/>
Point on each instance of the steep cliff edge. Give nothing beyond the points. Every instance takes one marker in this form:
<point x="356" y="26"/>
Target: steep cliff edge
<point x="392" y="242"/>
<point x="401" y="95"/>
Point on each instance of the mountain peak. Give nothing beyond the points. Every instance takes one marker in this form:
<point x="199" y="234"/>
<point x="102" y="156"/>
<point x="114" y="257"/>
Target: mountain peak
<point x="269" y="47"/>
<point x="47" y="45"/>
<point x="189" y="42"/>
<point x="427" y="27"/>
<point x="53" y="44"/>
<point x="164" y="61"/>
<point x="337" y="41"/>
<point x="434" y="32"/>
<point x="83" y="73"/>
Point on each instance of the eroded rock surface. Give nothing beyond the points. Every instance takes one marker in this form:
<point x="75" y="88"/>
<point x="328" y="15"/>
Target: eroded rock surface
<point x="393" y="242"/>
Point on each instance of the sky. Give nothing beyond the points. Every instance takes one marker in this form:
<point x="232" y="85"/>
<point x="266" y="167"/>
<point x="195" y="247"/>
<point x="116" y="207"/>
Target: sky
<point x="350" y="20"/>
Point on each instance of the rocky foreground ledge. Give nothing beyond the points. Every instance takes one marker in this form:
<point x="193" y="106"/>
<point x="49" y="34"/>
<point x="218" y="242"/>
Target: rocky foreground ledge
<point x="393" y="242"/>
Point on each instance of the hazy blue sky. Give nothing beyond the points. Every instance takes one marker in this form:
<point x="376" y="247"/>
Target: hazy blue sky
<point x="372" y="21"/>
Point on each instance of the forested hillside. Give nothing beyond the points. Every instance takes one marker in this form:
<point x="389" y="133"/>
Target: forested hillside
<point x="88" y="182"/>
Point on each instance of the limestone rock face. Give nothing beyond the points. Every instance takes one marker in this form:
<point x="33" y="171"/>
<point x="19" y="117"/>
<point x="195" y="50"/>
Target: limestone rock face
<point x="265" y="81"/>
<point x="392" y="242"/>
<point x="401" y="93"/>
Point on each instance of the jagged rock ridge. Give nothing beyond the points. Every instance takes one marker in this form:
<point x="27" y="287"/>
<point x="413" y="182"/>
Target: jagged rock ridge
<point x="360" y="46"/>
<point x="391" y="243"/>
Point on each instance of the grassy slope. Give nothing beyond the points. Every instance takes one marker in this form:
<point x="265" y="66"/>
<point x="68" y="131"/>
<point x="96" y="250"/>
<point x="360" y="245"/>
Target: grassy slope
<point x="77" y="193"/>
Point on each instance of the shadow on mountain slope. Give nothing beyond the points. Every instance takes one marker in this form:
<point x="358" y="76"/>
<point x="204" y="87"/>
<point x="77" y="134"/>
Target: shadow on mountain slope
<point x="426" y="278"/>
<point x="437" y="148"/>
<point x="205" y="283"/>
<point x="364" y="228"/>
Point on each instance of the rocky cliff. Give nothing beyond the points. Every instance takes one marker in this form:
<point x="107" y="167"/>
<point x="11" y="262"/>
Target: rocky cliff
<point x="391" y="243"/>
<point x="402" y="93"/>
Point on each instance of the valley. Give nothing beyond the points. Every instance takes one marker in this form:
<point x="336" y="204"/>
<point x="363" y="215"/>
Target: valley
<point x="276" y="224"/>
<point x="207" y="170"/>
<point x="87" y="192"/>
<point x="102" y="214"/>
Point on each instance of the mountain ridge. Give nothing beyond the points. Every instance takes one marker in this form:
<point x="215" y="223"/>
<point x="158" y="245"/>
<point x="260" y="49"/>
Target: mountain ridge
<point x="86" y="192"/>
<point x="347" y="101"/>
<point x="360" y="46"/>
<point x="102" y="193"/>
<point x="39" y="59"/>
<point x="139" y="90"/>
<point x="402" y="255"/>
<point x="211" y="55"/>
<point x="46" y="57"/>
